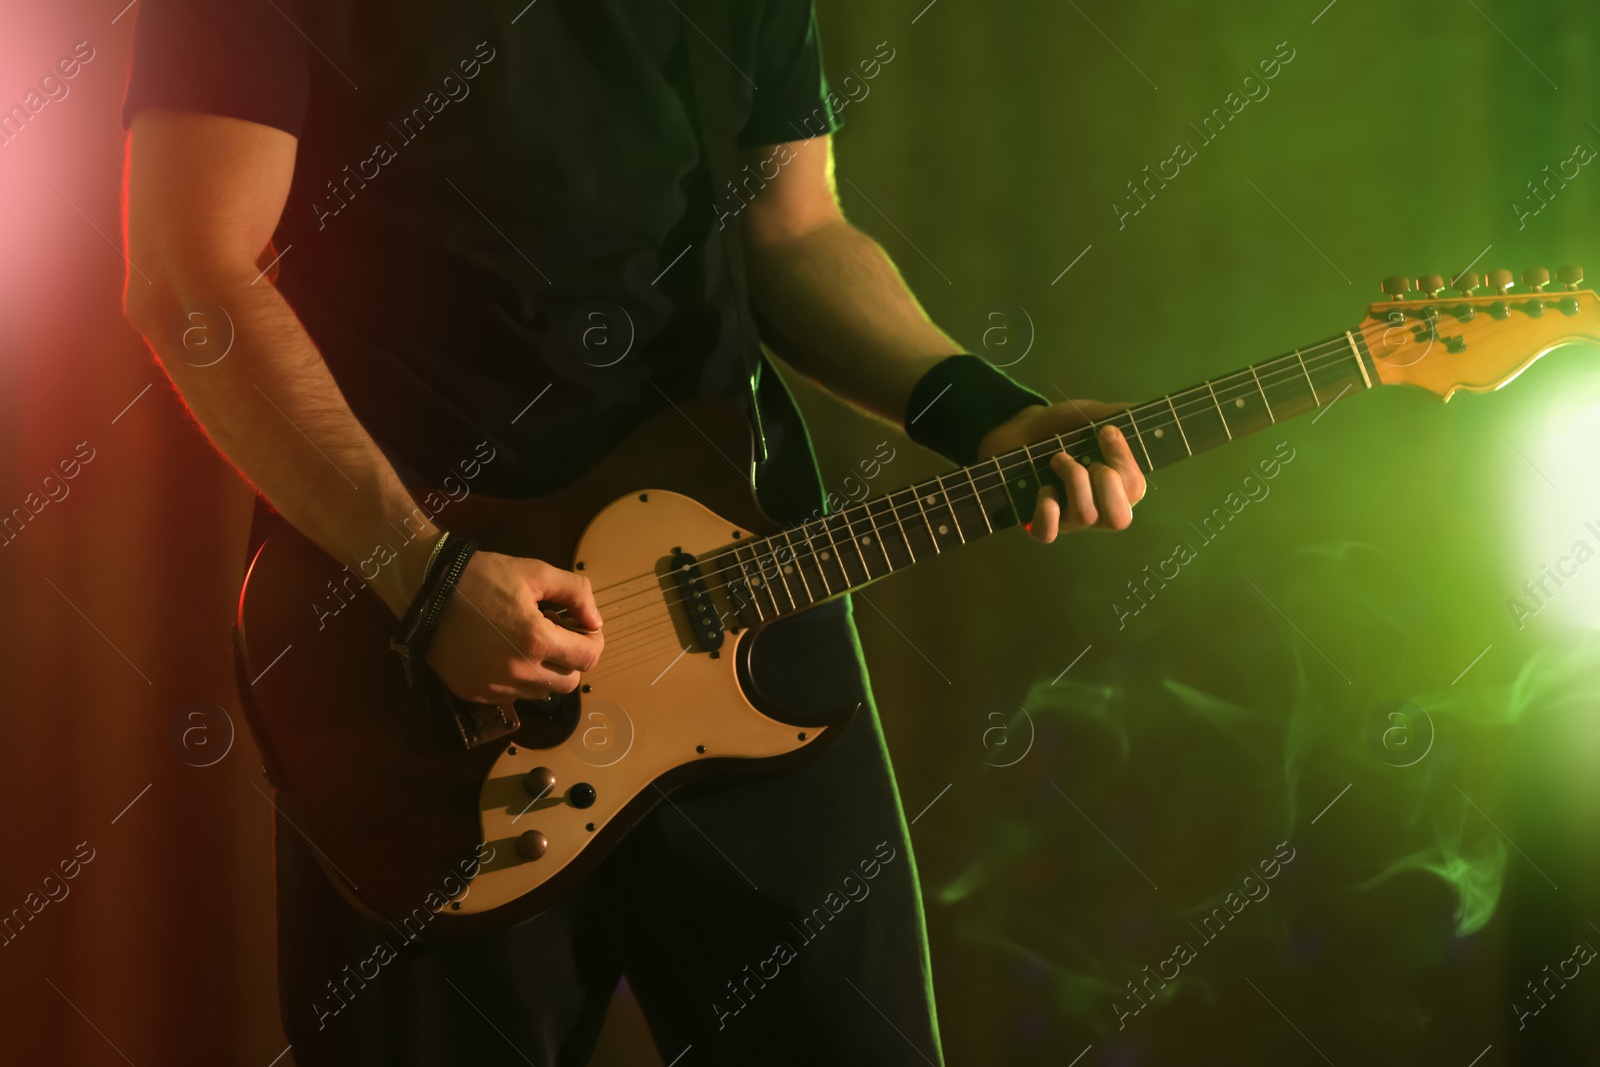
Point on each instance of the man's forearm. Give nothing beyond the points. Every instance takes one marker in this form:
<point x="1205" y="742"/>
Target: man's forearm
<point x="832" y="304"/>
<point x="273" y="409"/>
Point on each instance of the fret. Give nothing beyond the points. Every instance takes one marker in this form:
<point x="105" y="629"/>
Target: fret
<point x="919" y="524"/>
<point x="1056" y="446"/>
<point x="763" y="583"/>
<point x="1023" y="479"/>
<point x="865" y="538"/>
<point x="977" y="499"/>
<point x="831" y="523"/>
<point x="1284" y="376"/>
<point x="820" y="555"/>
<point x="1223" y="415"/>
<point x="1179" y="423"/>
<point x="1021" y="488"/>
<point x="959" y="506"/>
<point x="1133" y="421"/>
<point x="1085" y="451"/>
<point x="1335" y="373"/>
<point x="882" y="543"/>
<point x="1262" y="390"/>
<point x="1243" y="405"/>
<point x="835" y="525"/>
<point x="943" y="529"/>
<point x="1200" y="406"/>
<point x="829" y="562"/>
<point x="742" y="587"/>
<point x="916" y="494"/>
<point x="1309" y="382"/>
<point x="781" y="569"/>
<point x="721" y="577"/>
<point x="1002" y="508"/>
<point x="817" y="557"/>
<point x="800" y="559"/>
<point x="854" y="546"/>
<point x="1166" y="448"/>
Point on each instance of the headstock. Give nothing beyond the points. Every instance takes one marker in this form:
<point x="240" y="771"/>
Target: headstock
<point x="1470" y="341"/>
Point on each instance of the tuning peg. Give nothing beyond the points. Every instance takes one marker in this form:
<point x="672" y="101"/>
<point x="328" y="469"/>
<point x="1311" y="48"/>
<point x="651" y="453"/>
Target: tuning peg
<point x="1500" y="281"/>
<point x="1535" y="278"/>
<point x="1570" y="276"/>
<point x="1430" y="285"/>
<point x="1466" y="282"/>
<point x="1396" y="286"/>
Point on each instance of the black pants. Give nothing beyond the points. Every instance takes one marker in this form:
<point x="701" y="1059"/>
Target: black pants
<point x="770" y="920"/>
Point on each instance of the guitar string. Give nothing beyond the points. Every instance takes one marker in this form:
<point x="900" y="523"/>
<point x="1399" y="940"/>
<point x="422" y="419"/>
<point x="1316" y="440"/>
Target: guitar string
<point x="892" y="515"/>
<point x="1319" y="356"/>
<point x="1322" y="354"/>
<point x="655" y="630"/>
<point x="1004" y="462"/>
<point x="1067" y="441"/>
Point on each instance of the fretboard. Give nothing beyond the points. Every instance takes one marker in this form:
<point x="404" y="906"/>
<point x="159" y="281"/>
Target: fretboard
<point x="765" y="578"/>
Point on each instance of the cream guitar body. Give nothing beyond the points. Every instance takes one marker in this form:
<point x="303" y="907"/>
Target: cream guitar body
<point x="652" y="708"/>
<point x="462" y="818"/>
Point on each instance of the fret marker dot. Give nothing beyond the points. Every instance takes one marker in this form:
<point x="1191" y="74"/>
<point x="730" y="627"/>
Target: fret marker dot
<point x="1239" y="403"/>
<point x="866" y="539"/>
<point x="787" y="569"/>
<point x="1159" y="431"/>
<point x="825" y="554"/>
<point x="930" y="498"/>
<point x="756" y="582"/>
<point x="943" y="529"/>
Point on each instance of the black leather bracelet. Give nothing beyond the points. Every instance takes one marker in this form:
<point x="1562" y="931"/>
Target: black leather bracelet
<point x="421" y="620"/>
<point x="955" y="405"/>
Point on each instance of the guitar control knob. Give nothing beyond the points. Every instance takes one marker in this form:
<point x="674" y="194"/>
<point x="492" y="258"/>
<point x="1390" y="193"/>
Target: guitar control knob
<point x="1466" y="282"/>
<point x="582" y="795"/>
<point x="1570" y="276"/>
<point x="1500" y="281"/>
<point x="539" y="782"/>
<point x="1396" y="286"/>
<point x="1430" y="285"/>
<point x="532" y="845"/>
<point x="1535" y="278"/>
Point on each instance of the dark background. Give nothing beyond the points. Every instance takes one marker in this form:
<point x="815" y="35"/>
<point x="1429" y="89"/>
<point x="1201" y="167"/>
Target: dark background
<point x="1071" y="824"/>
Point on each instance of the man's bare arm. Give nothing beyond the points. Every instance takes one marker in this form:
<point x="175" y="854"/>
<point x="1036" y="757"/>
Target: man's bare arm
<point x="830" y="300"/>
<point x="833" y="305"/>
<point x="204" y="194"/>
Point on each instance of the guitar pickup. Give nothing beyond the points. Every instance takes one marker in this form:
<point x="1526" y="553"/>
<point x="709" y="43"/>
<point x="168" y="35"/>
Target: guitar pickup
<point x="695" y="598"/>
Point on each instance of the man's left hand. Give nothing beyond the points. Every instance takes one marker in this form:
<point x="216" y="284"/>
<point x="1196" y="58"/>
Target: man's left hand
<point x="1100" y="496"/>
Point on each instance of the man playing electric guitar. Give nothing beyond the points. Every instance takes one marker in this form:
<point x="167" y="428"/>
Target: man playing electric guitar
<point x="475" y="243"/>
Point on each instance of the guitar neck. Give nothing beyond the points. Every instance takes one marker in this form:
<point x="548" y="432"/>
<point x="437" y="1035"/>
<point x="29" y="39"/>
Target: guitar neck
<point x="794" y="569"/>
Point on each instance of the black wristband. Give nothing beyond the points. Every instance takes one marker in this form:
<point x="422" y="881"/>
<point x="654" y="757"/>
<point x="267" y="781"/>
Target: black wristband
<point x="955" y="405"/>
<point x="421" y="619"/>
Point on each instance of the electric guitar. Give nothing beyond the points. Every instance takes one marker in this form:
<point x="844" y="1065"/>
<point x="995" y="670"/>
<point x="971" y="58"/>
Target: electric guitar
<point x="426" y="808"/>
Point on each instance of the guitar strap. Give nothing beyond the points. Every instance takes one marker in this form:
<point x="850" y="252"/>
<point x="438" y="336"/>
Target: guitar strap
<point x="708" y="40"/>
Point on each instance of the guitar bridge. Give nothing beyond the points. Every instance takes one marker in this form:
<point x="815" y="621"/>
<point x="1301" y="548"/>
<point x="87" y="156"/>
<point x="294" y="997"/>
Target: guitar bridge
<point x="478" y="724"/>
<point x="453" y="723"/>
<point x="704" y="621"/>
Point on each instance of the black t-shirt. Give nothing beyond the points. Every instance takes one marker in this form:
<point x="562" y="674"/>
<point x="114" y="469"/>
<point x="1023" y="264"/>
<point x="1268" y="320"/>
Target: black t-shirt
<point x="500" y="225"/>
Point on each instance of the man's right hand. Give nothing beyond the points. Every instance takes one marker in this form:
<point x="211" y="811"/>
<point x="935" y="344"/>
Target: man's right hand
<point x="495" y="645"/>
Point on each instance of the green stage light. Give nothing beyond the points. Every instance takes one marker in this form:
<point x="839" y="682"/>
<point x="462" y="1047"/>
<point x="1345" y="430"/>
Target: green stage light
<point x="1560" y="516"/>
